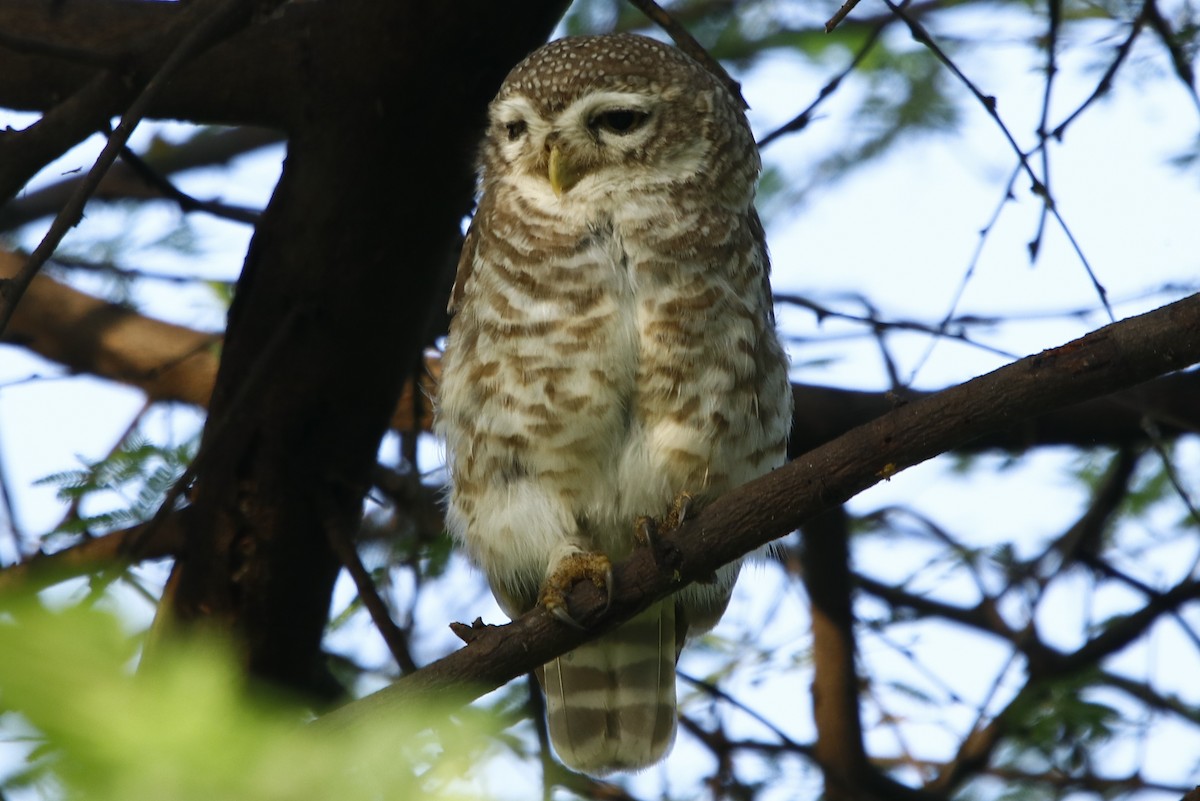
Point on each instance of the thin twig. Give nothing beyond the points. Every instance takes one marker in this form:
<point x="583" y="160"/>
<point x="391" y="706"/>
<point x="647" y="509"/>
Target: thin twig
<point x="841" y="14"/>
<point x="824" y="312"/>
<point x="72" y="513"/>
<point x="688" y="44"/>
<point x="1157" y="442"/>
<point x="537" y="713"/>
<point x="801" y="120"/>
<point x="988" y="102"/>
<point x="1181" y="60"/>
<point x="968" y="274"/>
<point x="186" y="202"/>
<point x="10" y="513"/>
<point x="713" y="691"/>
<point x="343" y="545"/>
<point x="1106" y="80"/>
<point x="1055" y="17"/>
<point x="128" y="273"/>
<point x="215" y="430"/>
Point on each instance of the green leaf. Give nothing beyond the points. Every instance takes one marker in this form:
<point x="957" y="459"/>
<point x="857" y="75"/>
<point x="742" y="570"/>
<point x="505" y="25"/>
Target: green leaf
<point x="189" y="728"/>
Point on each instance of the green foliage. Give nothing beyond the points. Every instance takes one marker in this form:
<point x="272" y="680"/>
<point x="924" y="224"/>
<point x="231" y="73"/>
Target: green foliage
<point x="188" y="729"/>
<point x="138" y="472"/>
<point x="1057" y="726"/>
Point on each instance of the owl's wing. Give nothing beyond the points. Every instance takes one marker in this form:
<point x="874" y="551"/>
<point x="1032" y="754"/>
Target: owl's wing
<point x="760" y="236"/>
<point x="470" y="251"/>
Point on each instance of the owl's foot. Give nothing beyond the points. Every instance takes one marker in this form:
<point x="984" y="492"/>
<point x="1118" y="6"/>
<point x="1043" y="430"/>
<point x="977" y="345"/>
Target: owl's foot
<point x="574" y="567"/>
<point x="646" y="531"/>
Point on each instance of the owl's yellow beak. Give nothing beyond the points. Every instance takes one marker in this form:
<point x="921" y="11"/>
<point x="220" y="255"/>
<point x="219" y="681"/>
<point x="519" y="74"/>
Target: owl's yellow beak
<point x="563" y="173"/>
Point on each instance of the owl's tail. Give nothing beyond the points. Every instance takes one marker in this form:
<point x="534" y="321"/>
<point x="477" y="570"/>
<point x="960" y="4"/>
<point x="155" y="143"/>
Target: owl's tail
<point x="610" y="703"/>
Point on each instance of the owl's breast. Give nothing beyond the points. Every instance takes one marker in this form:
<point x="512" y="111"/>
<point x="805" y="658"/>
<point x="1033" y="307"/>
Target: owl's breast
<point x="542" y="358"/>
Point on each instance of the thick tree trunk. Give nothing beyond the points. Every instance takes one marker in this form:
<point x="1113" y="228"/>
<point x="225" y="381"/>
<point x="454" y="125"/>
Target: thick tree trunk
<point x="332" y="308"/>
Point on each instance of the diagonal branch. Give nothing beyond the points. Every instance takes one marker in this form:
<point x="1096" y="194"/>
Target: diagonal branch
<point x="121" y="182"/>
<point x="128" y="545"/>
<point x="1111" y="358"/>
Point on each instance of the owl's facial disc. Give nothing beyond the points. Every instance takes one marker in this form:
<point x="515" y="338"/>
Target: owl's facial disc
<point x="601" y="129"/>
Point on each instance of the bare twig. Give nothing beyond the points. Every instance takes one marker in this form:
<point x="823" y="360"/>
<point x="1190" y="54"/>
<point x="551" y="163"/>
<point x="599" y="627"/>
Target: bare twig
<point x="801" y="120"/>
<point x="343" y="545"/>
<point x="878" y="325"/>
<point x="205" y="149"/>
<point x="1038" y="186"/>
<point x="1054" y="8"/>
<point x="841" y="14"/>
<point x="10" y="514"/>
<point x="1181" y="59"/>
<point x="1106" y="80"/>
<point x="712" y="690"/>
<point x="187" y="202"/>
<point x="688" y="44"/>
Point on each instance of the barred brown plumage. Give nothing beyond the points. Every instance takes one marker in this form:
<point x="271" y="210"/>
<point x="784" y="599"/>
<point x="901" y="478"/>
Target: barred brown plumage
<point x="613" y="347"/>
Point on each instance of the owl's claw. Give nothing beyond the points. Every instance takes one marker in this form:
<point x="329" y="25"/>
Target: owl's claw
<point x="646" y="530"/>
<point x="574" y="567"/>
<point x="679" y="511"/>
<point x="564" y="616"/>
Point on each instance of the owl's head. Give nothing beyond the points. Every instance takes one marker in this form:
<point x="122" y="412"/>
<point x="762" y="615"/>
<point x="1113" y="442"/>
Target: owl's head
<point x="602" y="116"/>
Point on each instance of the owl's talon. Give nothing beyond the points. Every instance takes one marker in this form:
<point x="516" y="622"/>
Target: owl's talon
<point x="572" y="568"/>
<point x="608" y="586"/>
<point x="645" y="532"/>
<point x="564" y="616"/>
<point x="680" y="510"/>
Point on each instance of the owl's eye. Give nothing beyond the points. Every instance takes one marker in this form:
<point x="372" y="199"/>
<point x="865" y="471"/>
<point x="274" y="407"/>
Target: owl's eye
<point x="619" y="121"/>
<point x="515" y="129"/>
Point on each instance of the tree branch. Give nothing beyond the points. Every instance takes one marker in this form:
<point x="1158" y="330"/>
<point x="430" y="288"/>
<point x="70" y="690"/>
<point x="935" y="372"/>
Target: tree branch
<point x="174" y="363"/>
<point x="121" y="182"/>
<point x="839" y="746"/>
<point x="129" y="545"/>
<point x="246" y="80"/>
<point x="1112" y="358"/>
<point x="353" y="244"/>
<point x="88" y="335"/>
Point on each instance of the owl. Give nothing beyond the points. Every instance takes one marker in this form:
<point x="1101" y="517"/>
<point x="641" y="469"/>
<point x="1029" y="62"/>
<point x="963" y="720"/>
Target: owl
<point x="612" y="351"/>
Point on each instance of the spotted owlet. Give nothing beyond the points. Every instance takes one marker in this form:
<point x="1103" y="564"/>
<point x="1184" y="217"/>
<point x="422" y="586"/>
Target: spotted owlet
<point x="612" y="351"/>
